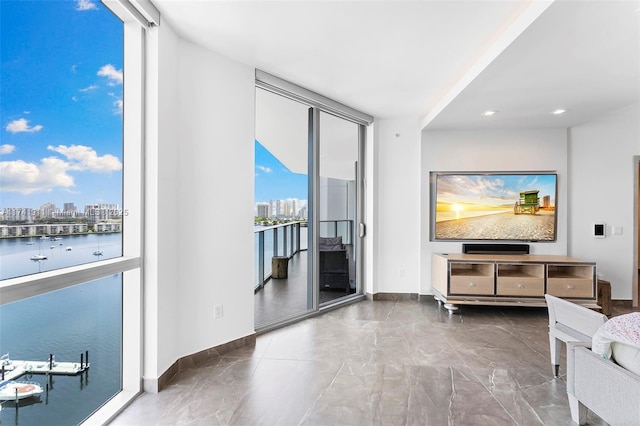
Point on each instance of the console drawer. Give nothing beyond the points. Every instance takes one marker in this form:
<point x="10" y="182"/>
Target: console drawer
<point x="520" y="286"/>
<point x="464" y="284"/>
<point x="570" y="287"/>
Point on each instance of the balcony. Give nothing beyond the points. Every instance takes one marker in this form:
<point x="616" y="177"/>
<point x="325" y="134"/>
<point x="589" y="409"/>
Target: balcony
<point x="278" y="299"/>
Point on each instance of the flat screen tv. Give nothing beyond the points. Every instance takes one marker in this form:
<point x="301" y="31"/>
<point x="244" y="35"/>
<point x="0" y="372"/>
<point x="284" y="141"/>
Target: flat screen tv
<point x="501" y="206"/>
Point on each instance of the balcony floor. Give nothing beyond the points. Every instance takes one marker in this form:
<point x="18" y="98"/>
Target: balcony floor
<point x="283" y="298"/>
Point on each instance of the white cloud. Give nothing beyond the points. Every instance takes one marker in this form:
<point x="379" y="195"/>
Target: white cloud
<point x="88" y="88"/>
<point x="264" y="169"/>
<point x="53" y="172"/>
<point x="7" y="149"/>
<point x="27" y="178"/>
<point x="84" y="158"/>
<point x="83" y="5"/>
<point x="119" y="106"/>
<point x="114" y="75"/>
<point x="21" y="125"/>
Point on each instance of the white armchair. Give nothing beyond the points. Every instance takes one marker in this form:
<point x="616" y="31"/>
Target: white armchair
<point x="569" y="322"/>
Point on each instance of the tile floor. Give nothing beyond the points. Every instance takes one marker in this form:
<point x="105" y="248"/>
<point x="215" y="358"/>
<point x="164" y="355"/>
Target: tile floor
<point x="376" y="363"/>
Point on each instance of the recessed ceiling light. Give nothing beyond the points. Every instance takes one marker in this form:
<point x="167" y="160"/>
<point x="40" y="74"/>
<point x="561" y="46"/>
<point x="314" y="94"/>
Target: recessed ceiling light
<point x="559" y="111"/>
<point x="489" y="112"/>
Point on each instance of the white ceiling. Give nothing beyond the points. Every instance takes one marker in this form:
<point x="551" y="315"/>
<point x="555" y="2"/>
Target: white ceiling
<point x="444" y="62"/>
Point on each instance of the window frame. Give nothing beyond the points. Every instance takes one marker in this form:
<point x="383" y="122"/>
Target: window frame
<point x="130" y="264"/>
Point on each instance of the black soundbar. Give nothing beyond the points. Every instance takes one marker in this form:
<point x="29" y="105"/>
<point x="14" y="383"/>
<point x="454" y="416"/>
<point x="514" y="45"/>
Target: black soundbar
<point x="495" y="248"/>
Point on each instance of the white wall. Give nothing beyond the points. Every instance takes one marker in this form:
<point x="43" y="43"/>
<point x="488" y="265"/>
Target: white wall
<point x="161" y="206"/>
<point x="396" y="261"/>
<point x="601" y="173"/>
<point x="496" y="150"/>
<point x="216" y="121"/>
<point x="199" y="202"/>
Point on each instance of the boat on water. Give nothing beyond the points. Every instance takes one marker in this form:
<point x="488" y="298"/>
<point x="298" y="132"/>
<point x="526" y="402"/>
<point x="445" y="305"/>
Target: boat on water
<point x="38" y="257"/>
<point x="68" y="248"/>
<point x="13" y="390"/>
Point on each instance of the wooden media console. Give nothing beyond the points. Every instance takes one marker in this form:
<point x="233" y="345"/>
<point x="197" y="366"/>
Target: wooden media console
<point x="511" y="280"/>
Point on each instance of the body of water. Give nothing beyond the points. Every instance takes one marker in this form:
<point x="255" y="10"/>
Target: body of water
<point x="66" y="323"/>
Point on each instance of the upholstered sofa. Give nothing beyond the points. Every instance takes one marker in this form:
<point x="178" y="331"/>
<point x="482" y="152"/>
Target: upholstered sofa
<point x="594" y="381"/>
<point x="602" y="386"/>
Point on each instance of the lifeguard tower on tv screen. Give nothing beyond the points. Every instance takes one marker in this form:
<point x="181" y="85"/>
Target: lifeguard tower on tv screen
<point x="529" y="202"/>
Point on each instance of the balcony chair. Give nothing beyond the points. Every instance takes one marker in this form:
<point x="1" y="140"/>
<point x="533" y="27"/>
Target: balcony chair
<point x="334" y="264"/>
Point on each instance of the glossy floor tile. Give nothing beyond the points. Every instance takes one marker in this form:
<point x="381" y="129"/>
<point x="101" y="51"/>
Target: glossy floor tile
<point x="376" y="363"/>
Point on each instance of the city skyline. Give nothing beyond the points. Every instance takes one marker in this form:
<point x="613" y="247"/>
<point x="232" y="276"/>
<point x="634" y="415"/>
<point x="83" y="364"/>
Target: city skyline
<point x="62" y="100"/>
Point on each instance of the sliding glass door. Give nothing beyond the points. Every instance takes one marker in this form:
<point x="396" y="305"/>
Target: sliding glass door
<point x="337" y="208"/>
<point x="308" y="173"/>
<point x="281" y="210"/>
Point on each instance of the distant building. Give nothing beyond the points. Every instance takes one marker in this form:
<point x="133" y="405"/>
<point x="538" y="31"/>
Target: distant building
<point x="289" y="208"/>
<point x="19" y="214"/>
<point x="46" y="229"/>
<point x="303" y="213"/>
<point x="96" y="213"/>
<point x="108" y="227"/>
<point x="48" y="211"/>
<point x="69" y="210"/>
<point x="263" y="210"/>
<point x="546" y="202"/>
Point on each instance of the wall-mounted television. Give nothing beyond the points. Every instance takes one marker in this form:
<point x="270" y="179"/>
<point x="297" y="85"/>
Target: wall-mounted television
<point x="501" y="206"/>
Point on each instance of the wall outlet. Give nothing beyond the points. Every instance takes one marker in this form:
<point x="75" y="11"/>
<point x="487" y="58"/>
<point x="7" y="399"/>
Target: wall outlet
<point x="217" y="311"/>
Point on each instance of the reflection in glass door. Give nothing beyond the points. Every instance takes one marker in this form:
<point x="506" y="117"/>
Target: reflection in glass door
<point x="337" y="207"/>
<point x="281" y="210"/>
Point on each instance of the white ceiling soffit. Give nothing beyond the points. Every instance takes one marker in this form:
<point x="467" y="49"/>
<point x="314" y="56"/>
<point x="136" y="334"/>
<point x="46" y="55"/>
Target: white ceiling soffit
<point x="446" y="61"/>
<point x="385" y="58"/>
<point x="582" y="56"/>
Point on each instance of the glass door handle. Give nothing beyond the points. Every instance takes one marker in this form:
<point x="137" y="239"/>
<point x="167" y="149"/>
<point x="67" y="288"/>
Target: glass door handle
<point x="362" y="230"/>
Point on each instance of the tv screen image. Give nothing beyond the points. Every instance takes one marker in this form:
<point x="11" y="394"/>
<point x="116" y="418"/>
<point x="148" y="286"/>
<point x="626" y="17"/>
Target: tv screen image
<point x="493" y="206"/>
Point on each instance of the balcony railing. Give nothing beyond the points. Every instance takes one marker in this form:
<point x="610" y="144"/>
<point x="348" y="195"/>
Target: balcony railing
<point x="277" y="240"/>
<point x="288" y="240"/>
<point x="337" y="228"/>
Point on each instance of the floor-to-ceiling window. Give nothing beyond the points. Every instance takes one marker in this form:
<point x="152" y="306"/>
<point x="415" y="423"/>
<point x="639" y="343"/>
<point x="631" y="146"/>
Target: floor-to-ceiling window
<point x="303" y="137"/>
<point x="70" y="237"/>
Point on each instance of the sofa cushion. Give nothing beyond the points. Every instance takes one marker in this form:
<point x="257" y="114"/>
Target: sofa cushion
<point x="626" y="356"/>
<point x="330" y="244"/>
<point x="623" y="329"/>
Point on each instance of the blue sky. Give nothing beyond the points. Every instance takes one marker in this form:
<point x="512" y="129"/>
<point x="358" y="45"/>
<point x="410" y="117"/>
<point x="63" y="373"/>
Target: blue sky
<point x="274" y="181"/>
<point x="61" y="103"/>
<point x="494" y="190"/>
